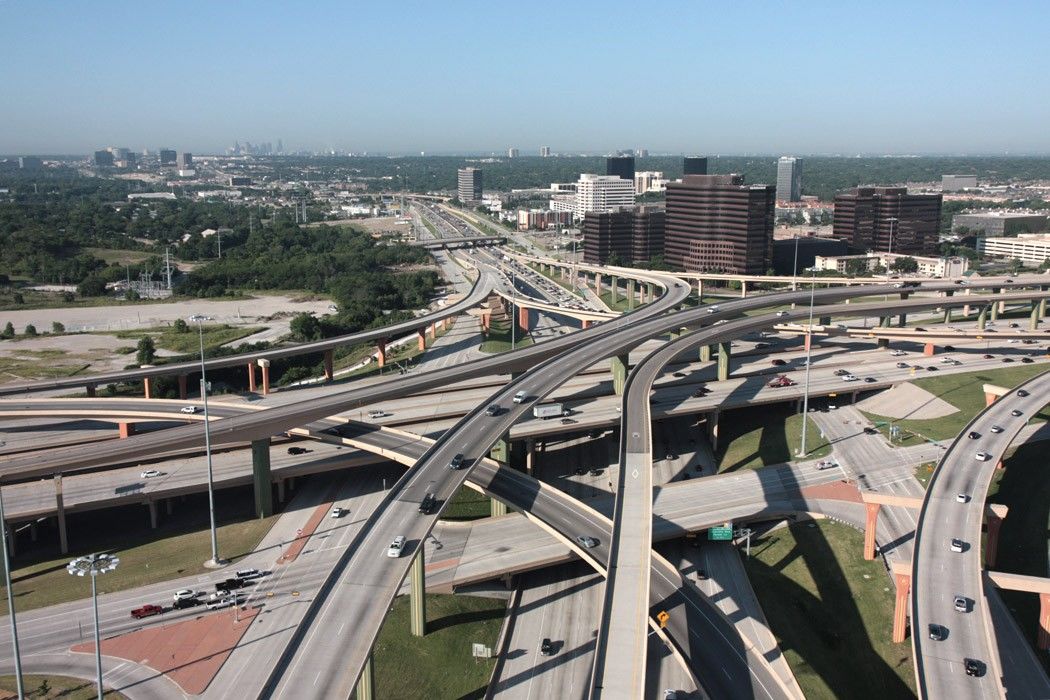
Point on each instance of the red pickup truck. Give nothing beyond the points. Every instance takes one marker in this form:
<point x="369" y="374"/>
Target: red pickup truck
<point x="146" y="611"/>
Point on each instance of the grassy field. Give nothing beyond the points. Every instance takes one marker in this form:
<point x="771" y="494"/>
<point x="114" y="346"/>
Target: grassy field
<point x="177" y="548"/>
<point x="39" y="364"/>
<point x="467" y="504"/>
<point x="48" y="687"/>
<point x="122" y="257"/>
<point x="831" y="611"/>
<point x="754" y="437"/>
<point x="188" y="342"/>
<point x="499" y="337"/>
<point x="621" y="301"/>
<point x="1024" y="486"/>
<point x="439" y="665"/>
<point x="965" y="393"/>
<point x="924" y="472"/>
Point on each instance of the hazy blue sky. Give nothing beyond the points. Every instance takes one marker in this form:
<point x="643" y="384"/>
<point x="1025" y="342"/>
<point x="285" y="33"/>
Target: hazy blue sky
<point x="698" y="76"/>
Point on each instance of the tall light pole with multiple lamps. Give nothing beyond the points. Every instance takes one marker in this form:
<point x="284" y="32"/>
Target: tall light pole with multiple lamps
<point x="10" y="600"/>
<point x="92" y="565"/>
<point x="215" y="560"/>
<point x="809" y="361"/>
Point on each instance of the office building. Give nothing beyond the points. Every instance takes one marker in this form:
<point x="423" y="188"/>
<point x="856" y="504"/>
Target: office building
<point x="184" y="161"/>
<point x="542" y="219"/>
<point x="789" y="179"/>
<point x="694" y="165"/>
<point x="649" y="181"/>
<point x="166" y="156"/>
<point x="956" y="183"/>
<point x="641" y="152"/>
<point x="998" y="222"/>
<point x="120" y="153"/>
<point x="888" y="219"/>
<point x="512" y="153"/>
<point x="951" y="266"/>
<point x="240" y="181"/>
<point x="469" y="189"/>
<point x="30" y="163"/>
<point x="1029" y="248"/>
<point x="716" y="223"/>
<point x="620" y="166"/>
<point x="103" y="158"/>
<point x="602" y="193"/>
<point x="624" y="235"/>
<point x="789" y="259"/>
<point x="545" y="151"/>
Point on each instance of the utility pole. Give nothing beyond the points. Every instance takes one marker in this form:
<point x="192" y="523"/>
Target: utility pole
<point x="167" y="264"/>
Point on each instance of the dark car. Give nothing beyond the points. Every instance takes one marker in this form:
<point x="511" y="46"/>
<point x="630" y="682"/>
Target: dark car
<point x="973" y="435"/>
<point x="1027" y="360"/>
<point x="777" y="362"/>
<point x="426" y="506"/>
<point x="184" y="603"/>
<point x="974" y="667"/>
<point x="931" y="368"/>
<point x="1022" y="393"/>
<point x="493" y="410"/>
<point x="1008" y="359"/>
<point x="568" y="421"/>
<point x="678" y="374"/>
<point x="938" y="633"/>
<point x="868" y="430"/>
<point x="949" y="348"/>
<point x="595" y="472"/>
<point x="146" y="611"/>
<point x="546" y="647"/>
<point x="456" y="462"/>
<point x="1016" y="413"/>
<point x="587" y="542"/>
<point x="701" y="575"/>
<point x="902" y="365"/>
<point x="870" y="380"/>
<point x="841" y="372"/>
<point x="987" y="357"/>
<point x="297" y="450"/>
<point x="230" y="584"/>
<point x="920" y="329"/>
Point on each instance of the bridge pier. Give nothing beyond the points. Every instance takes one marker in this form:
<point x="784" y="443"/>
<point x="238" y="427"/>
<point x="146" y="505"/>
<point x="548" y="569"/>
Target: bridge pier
<point x="614" y="288"/>
<point x="902" y="583"/>
<point x="126" y="429"/>
<point x="884" y="322"/>
<point x="652" y="292"/>
<point x="381" y="352"/>
<point x="417" y="599"/>
<point x="723" y="361"/>
<point x="705" y="353"/>
<point x="90" y="389"/>
<point x="60" y="513"/>
<point x="251" y="377"/>
<point x="147" y="389"/>
<point x="991" y="547"/>
<point x="947" y="315"/>
<point x="265" y="365"/>
<point x="699" y="290"/>
<point x="530" y="455"/>
<point x="712" y="429"/>
<point x="620" y="365"/>
<point x="743" y="289"/>
<point x="433" y="331"/>
<point x="824" y="320"/>
<point x="585" y="324"/>
<point x="630" y="295"/>
<point x="997" y="306"/>
<point x="153" y="519"/>
<point x="523" y="318"/>
<point x="982" y="318"/>
<point x="182" y="387"/>
<point x="329" y="372"/>
<point x="497" y="508"/>
<point x="871" y="522"/>
<point x="1044" y="621"/>
<point x="1033" y="318"/>
<point x="421" y="336"/>
<point x="929" y="349"/>
<point x="261" y="479"/>
<point x="598" y="283"/>
<point x="366" y="683"/>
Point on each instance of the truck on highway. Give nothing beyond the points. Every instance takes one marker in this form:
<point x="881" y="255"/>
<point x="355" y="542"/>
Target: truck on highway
<point x="550" y="410"/>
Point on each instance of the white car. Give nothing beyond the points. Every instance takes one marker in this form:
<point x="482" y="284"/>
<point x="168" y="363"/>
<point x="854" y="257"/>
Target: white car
<point x="188" y="409"/>
<point x="956" y="545"/>
<point x="396" y="547"/>
<point x="184" y="594"/>
<point x="849" y="378"/>
<point x="982" y="456"/>
<point x="996" y="429"/>
<point x="149" y="474"/>
<point x="712" y="309"/>
<point x="898" y="353"/>
<point x="962" y="498"/>
<point x="224" y="602"/>
<point x="519" y="397"/>
<point x="338" y="512"/>
<point x="782" y="314"/>
<point x="377" y="413"/>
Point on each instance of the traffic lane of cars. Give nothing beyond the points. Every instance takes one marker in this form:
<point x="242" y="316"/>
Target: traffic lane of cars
<point x="223" y="596"/>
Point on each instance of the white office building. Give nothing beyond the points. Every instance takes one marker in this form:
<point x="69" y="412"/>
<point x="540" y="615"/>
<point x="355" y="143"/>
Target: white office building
<point x="602" y="193"/>
<point x="1029" y="248"/>
<point x="649" y="181"/>
<point x="951" y="266"/>
<point x="789" y="179"/>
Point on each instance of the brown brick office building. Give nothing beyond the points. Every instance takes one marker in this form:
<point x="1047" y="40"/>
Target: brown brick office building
<point x="888" y="220"/>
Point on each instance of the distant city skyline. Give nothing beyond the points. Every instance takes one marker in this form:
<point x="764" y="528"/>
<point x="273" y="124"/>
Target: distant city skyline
<point x="897" y="78"/>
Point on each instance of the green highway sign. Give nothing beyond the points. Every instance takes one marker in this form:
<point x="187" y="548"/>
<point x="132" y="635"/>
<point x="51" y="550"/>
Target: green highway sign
<point x="720" y="534"/>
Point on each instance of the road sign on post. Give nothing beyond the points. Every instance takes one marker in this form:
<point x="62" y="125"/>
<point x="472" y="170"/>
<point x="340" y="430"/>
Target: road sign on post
<point x="720" y="534"/>
<point x="662" y="617"/>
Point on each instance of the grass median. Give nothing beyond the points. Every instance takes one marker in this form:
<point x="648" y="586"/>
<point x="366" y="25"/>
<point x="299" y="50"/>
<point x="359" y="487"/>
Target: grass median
<point x="178" y="547"/>
<point x="499" y="337"/>
<point x="831" y="612"/>
<point x="963" y="391"/>
<point x="440" y="664"/>
<point x="48" y="687"/>
<point x="755" y="437"/>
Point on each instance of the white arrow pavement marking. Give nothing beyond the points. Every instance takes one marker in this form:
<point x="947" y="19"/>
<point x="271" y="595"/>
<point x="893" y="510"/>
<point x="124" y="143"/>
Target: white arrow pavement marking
<point x="635" y="473"/>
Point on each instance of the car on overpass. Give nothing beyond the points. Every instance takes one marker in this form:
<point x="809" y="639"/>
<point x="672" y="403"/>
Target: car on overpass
<point x="781" y="381"/>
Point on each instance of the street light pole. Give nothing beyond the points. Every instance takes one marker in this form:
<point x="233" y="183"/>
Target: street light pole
<point x="92" y="565"/>
<point x="214" y="561"/>
<point x="809" y="361"/>
<point x="513" y="308"/>
<point x="10" y="600"/>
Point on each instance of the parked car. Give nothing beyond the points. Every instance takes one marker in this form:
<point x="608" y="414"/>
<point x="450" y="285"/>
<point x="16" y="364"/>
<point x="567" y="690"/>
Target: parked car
<point x="146" y="611"/>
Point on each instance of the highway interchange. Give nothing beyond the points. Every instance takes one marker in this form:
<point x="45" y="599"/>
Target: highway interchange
<point x="362" y="575"/>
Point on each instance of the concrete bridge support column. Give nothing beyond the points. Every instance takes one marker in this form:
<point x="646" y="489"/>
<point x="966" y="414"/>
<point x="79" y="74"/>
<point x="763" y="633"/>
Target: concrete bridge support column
<point x="947" y="315"/>
<point x="929" y="349"/>
<point x="884" y="322"/>
<point x="723" y="361"/>
<point x="699" y="290"/>
<point x="251" y="377"/>
<point x="182" y="387"/>
<point x="620" y="365"/>
<point x="126" y="429"/>
<point x="367" y="682"/>
<point x="433" y="331"/>
<point x="169" y="506"/>
<point x="630" y="294"/>
<point x="261" y="478"/>
<point x="614" y="288"/>
<point x="712" y="428"/>
<point x="991" y="547"/>
<point x="328" y="360"/>
<point x="871" y="522"/>
<point x="705" y="353"/>
<point x="421" y="336"/>
<point x="982" y="318"/>
<point x="153" y="519"/>
<point x="900" y="607"/>
<point x="417" y="599"/>
<point x="824" y="320"/>
<point x="523" y="318"/>
<point x="90" y="389"/>
<point x="585" y="324"/>
<point x="807" y="342"/>
<point x="147" y="389"/>
<point x="1044" y="621"/>
<point x="997" y="306"/>
<point x="265" y="365"/>
<point x="1033" y="318"/>
<point x="1042" y="305"/>
<point x="497" y="508"/>
<point x="598" y="283"/>
<point x="902" y="320"/>
<point x="60" y="512"/>
<point x="743" y="289"/>
<point x="501" y="450"/>
<point x="530" y="455"/>
<point x="381" y="352"/>
<point x="652" y="292"/>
